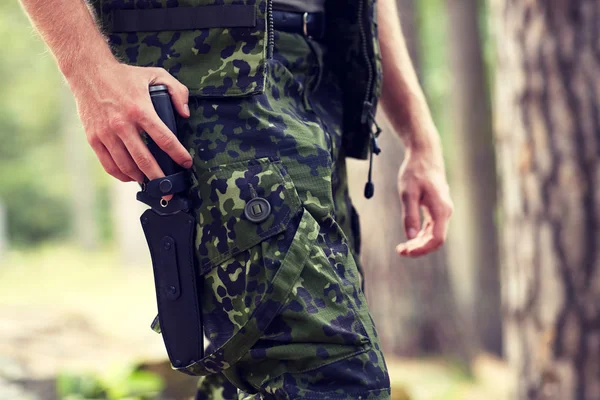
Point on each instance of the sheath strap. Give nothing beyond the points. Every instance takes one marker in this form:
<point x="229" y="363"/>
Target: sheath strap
<point x="167" y="185"/>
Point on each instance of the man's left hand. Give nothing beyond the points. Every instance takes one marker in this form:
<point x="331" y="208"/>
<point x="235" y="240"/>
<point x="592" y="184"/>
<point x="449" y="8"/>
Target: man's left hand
<point x="422" y="184"/>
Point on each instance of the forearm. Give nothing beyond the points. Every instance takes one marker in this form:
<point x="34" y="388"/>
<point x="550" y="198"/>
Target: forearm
<point x="69" y="30"/>
<point x="402" y="98"/>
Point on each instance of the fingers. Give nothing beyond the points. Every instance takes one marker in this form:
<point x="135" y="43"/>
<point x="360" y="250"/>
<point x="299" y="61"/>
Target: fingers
<point x="143" y="158"/>
<point x="141" y="155"/>
<point x="113" y="122"/>
<point x="423" y="244"/>
<point x="179" y="92"/>
<point x="113" y="156"/>
<point x="440" y="214"/>
<point x="124" y="161"/>
<point x="433" y="234"/>
<point x="165" y="138"/>
<point x="410" y="210"/>
<point x="108" y="163"/>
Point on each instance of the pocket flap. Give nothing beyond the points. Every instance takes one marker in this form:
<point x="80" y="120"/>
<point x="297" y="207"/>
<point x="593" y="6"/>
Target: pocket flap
<point x="239" y="205"/>
<point x="217" y="49"/>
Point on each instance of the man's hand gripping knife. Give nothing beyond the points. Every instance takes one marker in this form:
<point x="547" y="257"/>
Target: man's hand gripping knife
<point x="114" y="107"/>
<point x="169" y="228"/>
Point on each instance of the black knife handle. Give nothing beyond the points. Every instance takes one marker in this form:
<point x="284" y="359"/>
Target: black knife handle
<point x="161" y="100"/>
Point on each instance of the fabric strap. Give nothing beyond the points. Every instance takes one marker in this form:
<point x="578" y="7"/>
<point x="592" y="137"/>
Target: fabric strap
<point x="183" y="18"/>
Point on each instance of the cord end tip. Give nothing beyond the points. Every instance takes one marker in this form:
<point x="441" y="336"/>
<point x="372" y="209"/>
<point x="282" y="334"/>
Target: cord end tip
<point x="369" y="190"/>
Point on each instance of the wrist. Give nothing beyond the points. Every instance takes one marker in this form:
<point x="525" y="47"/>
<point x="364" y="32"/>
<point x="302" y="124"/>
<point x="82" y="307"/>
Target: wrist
<point x="80" y="69"/>
<point x="411" y="119"/>
<point x="417" y="130"/>
<point x="425" y="144"/>
<point x="422" y="138"/>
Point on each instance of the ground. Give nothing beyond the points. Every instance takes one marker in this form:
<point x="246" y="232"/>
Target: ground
<point x="69" y="311"/>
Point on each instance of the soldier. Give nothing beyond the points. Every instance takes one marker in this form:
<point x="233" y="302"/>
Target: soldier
<point x="272" y="95"/>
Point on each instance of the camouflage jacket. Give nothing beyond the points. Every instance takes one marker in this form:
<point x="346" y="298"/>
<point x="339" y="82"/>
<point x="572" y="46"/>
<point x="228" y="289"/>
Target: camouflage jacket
<point x="213" y="64"/>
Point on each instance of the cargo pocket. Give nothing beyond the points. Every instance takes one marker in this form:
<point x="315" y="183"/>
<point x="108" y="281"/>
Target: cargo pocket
<point x="250" y="222"/>
<point x="264" y="267"/>
<point x="250" y="323"/>
<point x="216" y="50"/>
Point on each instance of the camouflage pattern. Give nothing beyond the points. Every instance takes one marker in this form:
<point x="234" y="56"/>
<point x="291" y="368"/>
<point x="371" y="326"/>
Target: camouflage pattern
<point x="281" y="299"/>
<point x="232" y="61"/>
<point x="215" y="387"/>
<point x="282" y="303"/>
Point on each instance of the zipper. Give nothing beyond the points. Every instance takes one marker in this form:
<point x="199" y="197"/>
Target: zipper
<point x="270" y="30"/>
<point x="363" y="35"/>
<point x="367" y="115"/>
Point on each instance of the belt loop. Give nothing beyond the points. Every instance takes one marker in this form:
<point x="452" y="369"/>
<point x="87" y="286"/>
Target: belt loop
<point x="305" y="24"/>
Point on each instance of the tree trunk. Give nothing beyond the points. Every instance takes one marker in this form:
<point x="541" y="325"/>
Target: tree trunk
<point x="548" y="144"/>
<point x="3" y="231"/>
<point x="411" y="300"/>
<point x="473" y="239"/>
<point x="408" y="18"/>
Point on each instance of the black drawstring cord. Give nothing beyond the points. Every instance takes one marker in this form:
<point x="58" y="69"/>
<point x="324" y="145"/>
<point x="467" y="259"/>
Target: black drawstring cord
<point x="373" y="149"/>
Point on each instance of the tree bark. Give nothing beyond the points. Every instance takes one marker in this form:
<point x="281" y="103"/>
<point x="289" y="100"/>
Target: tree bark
<point x="407" y="10"/>
<point x="473" y="239"/>
<point x="548" y="147"/>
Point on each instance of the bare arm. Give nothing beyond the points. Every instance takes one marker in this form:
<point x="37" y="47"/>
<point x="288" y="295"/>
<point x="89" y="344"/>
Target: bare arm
<point x="422" y="177"/>
<point x="69" y="30"/>
<point x="112" y="98"/>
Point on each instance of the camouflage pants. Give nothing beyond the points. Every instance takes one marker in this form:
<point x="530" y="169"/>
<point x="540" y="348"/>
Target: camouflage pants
<point x="282" y="301"/>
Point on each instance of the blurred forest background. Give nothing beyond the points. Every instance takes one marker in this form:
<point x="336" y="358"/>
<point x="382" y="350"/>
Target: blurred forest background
<point x="509" y="309"/>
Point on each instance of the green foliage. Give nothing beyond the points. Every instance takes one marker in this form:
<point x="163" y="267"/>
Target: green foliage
<point x="435" y="69"/>
<point x="36" y="216"/>
<point x="130" y="383"/>
<point x="30" y="154"/>
<point x="35" y="176"/>
<point x="79" y="387"/>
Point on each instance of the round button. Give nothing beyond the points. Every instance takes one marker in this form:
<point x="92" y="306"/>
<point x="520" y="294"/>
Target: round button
<point x="165" y="186"/>
<point x="257" y="210"/>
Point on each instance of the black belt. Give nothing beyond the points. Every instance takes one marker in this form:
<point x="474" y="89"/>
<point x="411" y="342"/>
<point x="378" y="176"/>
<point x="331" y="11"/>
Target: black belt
<point x="311" y="25"/>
